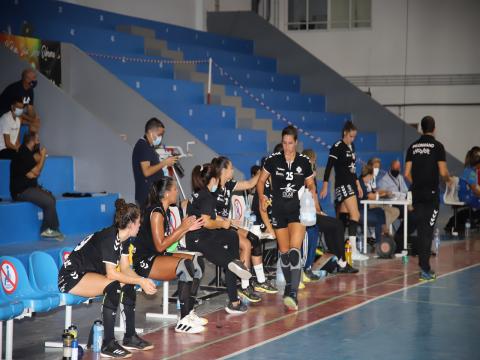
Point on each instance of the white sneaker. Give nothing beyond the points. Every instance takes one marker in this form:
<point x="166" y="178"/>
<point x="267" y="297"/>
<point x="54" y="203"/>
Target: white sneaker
<point x="197" y="319"/>
<point x="186" y="325"/>
<point x="239" y="269"/>
<point x="359" y="257"/>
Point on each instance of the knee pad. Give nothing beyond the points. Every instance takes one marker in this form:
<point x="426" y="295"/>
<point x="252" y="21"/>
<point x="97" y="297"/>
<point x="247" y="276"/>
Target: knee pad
<point x="111" y="297"/>
<point x="199" y="266"/>
<point x="129" y="295"/>
<point x="254" y="239"/>
<point x="185" y="270"/>
<point x="295" y="256"/>
<point x="285" y="259"/>
<point x="352" y="228"/>
<point x="257" y="250"/>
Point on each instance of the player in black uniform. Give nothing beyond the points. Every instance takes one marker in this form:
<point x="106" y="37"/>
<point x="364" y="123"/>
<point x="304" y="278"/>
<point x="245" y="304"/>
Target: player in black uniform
<point x="342" y="158"/>
<point x="215" y="240"/>
<point x="250" y="244"/>
<point x="151" y="259"/>
<point x="91" y="270"/>
<point x="425" y="161"/>
<point x="289" y="171"/>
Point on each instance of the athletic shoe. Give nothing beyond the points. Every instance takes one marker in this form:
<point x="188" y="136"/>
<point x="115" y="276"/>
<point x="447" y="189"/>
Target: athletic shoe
<point x="114" y="350"/>
<point x="239" y="269"/>
<point x="359" y="257"/>
<point x="322" y="260"/>
<point x="240" y="308"/>
<point x="249" y="294"/>
<point x="136" y="343"/>
<point x="301" y="286"/>
<point x="319" y="252"/>
<point x="186" y="325"/>
<point x="197" y="319"/>
<point x="265" y="287"/>
<point x="309" y="276"/>
<point x="347" y="269"/>
<point x="427" y="276"/>
<point x="50" y="233"/>
<point x="291" y="302"/>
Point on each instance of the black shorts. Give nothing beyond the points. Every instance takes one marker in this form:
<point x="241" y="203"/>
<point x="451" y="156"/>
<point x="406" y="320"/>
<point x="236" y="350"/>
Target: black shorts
<point x="68" y="278"/>
<point x="284" y="214"/>
<point x="343" y="192"/>
<point x="143" y="264"/>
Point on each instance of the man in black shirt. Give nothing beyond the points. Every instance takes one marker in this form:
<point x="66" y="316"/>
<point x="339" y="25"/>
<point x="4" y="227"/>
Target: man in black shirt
<point x="22" y="89"/>
<point x="25" y="169"/>
<point x="147" y="167"/>
<point x="425" y="161"/>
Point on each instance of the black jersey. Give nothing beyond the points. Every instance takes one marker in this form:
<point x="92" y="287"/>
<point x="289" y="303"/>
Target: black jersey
<point x="96" y="249"/>
<point x="201" y="203"/>
<point x="425" y="153"/>
<point x="342" y="158"/>
<point x="287" y="178"/>
<point x="144" y="245"/>
<point x="224" y="198"/>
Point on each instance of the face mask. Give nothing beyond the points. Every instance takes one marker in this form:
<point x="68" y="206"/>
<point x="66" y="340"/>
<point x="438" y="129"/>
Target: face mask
<point x="395" y="173"/>
<point x="376" y="171"/>
<point x="33" y="83"/>
<point x="18" y="112"/>
<point x="157" y="141"/>
<point x="214" y="188"/>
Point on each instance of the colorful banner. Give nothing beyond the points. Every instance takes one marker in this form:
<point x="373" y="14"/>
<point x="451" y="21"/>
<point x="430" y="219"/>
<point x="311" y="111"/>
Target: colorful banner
<point x="45" y="56"/>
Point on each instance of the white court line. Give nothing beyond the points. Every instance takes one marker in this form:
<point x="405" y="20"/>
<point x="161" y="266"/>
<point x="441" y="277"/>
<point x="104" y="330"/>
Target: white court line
<point x="340" y="313"/>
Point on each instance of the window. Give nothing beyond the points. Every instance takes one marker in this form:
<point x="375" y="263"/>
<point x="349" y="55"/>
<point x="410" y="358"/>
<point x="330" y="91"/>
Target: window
<point x="329" y="14"/>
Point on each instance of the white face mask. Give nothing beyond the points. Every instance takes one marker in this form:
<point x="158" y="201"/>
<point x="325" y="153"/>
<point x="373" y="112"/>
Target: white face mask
<point x="376" y="171"/>
<point x="18" y="112"/>
<point x="157" y="141"/>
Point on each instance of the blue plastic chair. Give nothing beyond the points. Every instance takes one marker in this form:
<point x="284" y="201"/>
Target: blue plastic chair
<point x="43" y="275"/>
<point x="32" y="300"/>
<point x="8" y="311"/>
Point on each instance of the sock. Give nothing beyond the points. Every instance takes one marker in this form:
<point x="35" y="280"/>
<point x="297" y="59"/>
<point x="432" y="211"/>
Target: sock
<point x="184" y="289"/>
<point x="259" y="273"/>
<point x="342" y="263"/>
<point x="353" y="243"/>
<point x="129" y="312"/>
<point x="245" y="284"/>
<point x="108" y="317"/>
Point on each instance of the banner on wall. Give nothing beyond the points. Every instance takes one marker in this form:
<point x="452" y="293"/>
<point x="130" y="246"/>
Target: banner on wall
<point x="43" y="56"/>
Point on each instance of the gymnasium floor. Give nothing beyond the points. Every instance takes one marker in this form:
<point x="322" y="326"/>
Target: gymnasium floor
<point x="382" y="310"/>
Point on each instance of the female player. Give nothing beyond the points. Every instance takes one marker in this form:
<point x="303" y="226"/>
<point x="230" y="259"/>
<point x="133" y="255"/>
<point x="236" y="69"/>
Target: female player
<point x="289" y="171"/>
<point x="151" y="259"/>
<point x="91" y="270"/>
<point x="342" y="159"/>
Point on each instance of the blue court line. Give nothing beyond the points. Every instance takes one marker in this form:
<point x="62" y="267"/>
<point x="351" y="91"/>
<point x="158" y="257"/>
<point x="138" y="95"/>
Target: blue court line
<point x="438" y="320"/>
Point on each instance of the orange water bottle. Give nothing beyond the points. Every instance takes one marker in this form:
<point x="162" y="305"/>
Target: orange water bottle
<point x="348" y="252"/>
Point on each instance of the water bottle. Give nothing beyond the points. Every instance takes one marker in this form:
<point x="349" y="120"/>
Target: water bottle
<point x="348" y="252"/>
<point x="72" y="329"/>
<point x="67" y="340"/>
<point x="97" y="335"/>
<point x="178" y="305"/>
<point x="308" y="215"/>
<point x="436" y="240"/>
<point x="467" y="228"/>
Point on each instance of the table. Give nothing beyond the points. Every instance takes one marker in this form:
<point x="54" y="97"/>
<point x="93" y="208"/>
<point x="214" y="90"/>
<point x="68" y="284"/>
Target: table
<point x="404" y="203"/>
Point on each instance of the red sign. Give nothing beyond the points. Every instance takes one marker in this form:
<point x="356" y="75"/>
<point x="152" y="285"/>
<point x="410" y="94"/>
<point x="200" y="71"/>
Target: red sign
<point x="9" y="277"/>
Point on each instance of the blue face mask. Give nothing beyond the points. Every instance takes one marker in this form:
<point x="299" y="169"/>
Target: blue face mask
<point x="214" y="188"/>
<point x="157" y="141"/>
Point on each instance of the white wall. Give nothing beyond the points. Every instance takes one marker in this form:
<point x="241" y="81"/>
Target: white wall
<point x="442" y="39"/>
